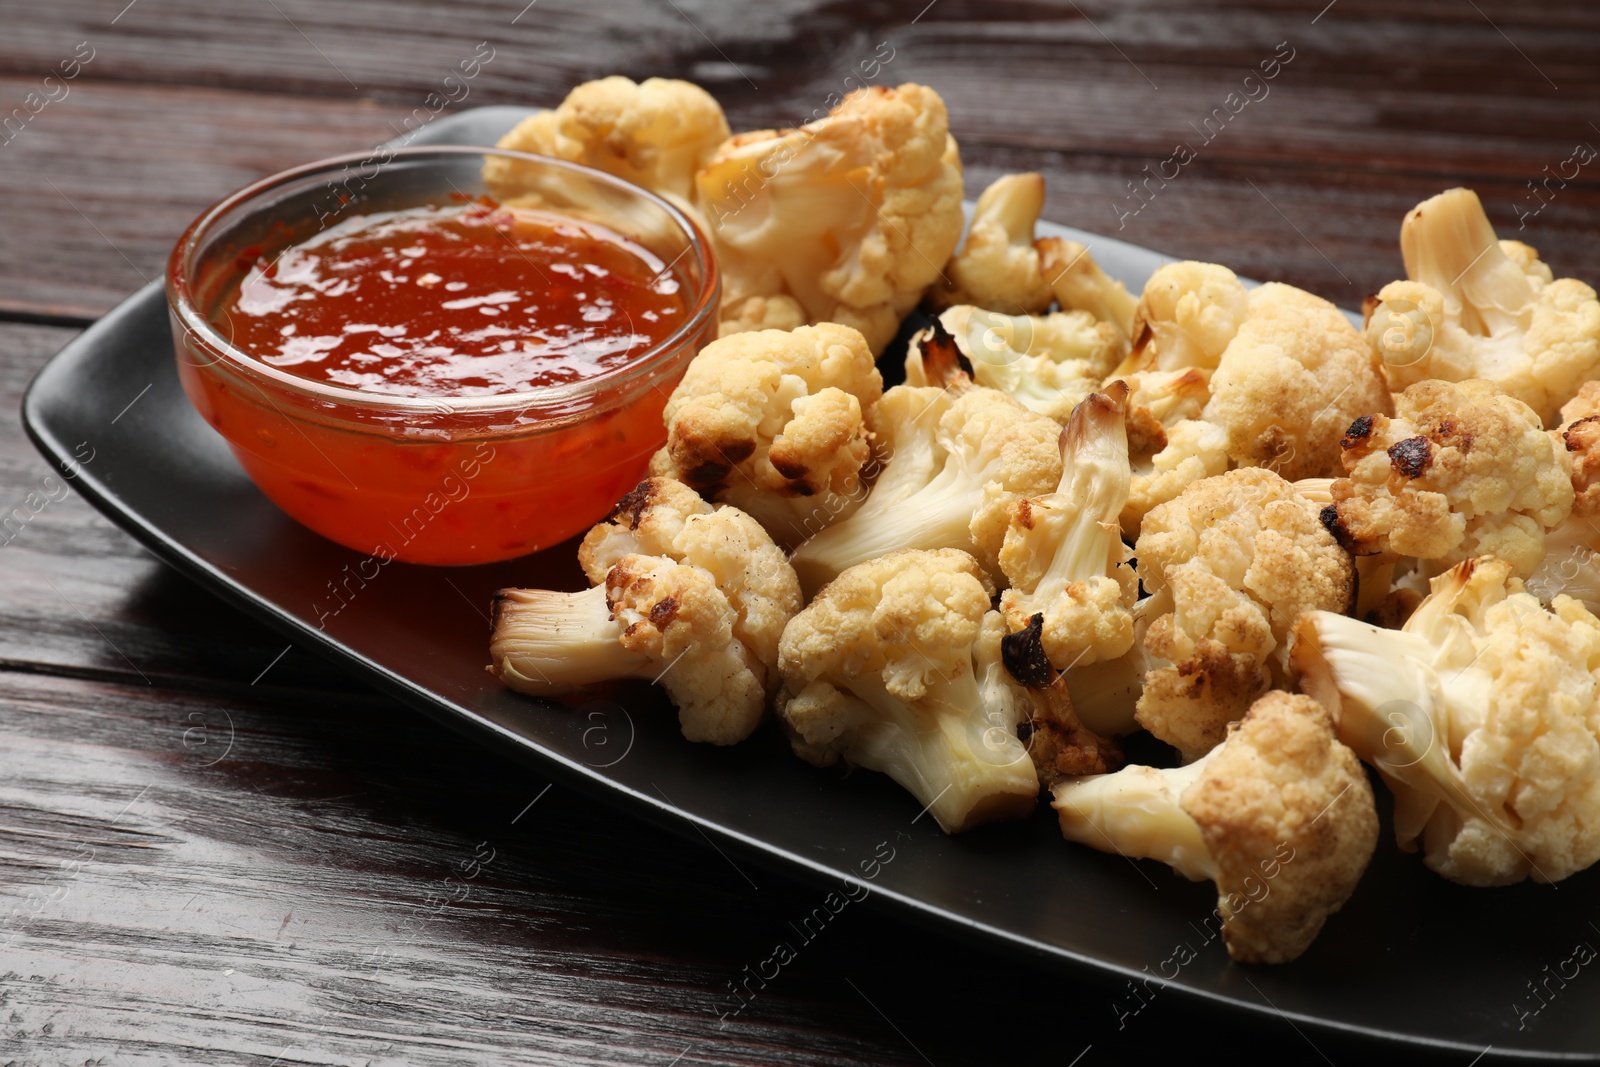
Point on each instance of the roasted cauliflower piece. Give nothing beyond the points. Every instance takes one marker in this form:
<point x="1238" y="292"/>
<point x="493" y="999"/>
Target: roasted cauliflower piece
<point x="1242" y="555"/>
<point x="1461" y="470"/>
<point x="1279" y="816"/>
<point x="1579" y="435"/>
<point x="772" y="422"/>
<point x="1477" y="307"/>
<point x="1170" y="447"/>
<point x="1481" y="714"/>
<point x="1048" y="363"/>
<point x="1187" y="315"/>
<point x="1571" y="563"/>
<point x="852" y="215"/>
<point x="894" y="666"/>
<point x="1063" y="553"/>
<point x="761" y="313"/>
<point x="1080" y="285"/>
<point x="656" y="133"/>
<point x="955" y="465"/>
<point x="1290" y="381"/>
<point x="690" y="596"/>
<point x="998" y="266"/>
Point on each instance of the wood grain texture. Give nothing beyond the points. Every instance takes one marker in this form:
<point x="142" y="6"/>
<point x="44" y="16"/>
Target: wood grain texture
<point x="202" y="861"/>
<point x="1306" y="184"/>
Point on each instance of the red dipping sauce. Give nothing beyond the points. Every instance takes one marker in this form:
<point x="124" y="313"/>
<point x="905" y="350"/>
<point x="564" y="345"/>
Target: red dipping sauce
<point x="454" y="381"/>
<point x="466" y="300"/>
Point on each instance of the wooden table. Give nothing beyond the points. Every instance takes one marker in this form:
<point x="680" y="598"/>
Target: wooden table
<point x="217" y="849"/>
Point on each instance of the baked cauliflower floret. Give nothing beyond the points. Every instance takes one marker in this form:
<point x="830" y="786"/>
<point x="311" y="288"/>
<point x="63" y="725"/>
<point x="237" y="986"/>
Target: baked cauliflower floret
<point x="1080" y="285"/>
<point x="656" y="133"/>
<point x="772" y="423"/>
<point x="1292" y="378"/>
<point x="892" y="667"/>
<point x="761" y="313"/>
<point x="1482" y="715"/>
<point x="1048" y="363"/>
<point x="1279" y="816"/>
<point x="1461" y="470"/>
<point x="955" y="466"/>
<point x="1063" y="553"/>
<point x="998" y="266"/>
<point x="1242" y="556"/>
<point x="1475" y="307"/>
<point x="851" y="215"/>
<point x="1186" y="317"/>
<point x="1572" y="550"/>
<point x="685" y="594"/>
<point x="1579" y="436"/>
<point x="1170" y="446"/>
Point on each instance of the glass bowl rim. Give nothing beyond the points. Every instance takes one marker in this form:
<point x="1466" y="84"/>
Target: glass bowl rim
<point x="561" y="397"/>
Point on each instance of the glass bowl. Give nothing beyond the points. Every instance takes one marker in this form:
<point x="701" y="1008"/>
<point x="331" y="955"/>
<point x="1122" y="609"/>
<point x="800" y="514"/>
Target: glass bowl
<point x="432" y="479"/>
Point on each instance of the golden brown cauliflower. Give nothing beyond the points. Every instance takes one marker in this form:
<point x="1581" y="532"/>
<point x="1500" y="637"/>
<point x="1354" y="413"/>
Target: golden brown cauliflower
<point x="1186" y="317"/>
<point x="761" y="313"/>
<point x="1241" y="555"/>
<point x="656" y="133"/>
<point x="851" y="215"/>
<point x="1461" y="470"/>
<point x="955" y="466"/>
<point x="895" y="666"/>
<point x="1292" y="378"/>
<point x="1170" y="447"/>
<point x="1571" y="562"/>
<point x="1063" y="553"/>
<point x="1080" y="285"/>
<point x="772" y="422"/>
<point x="1476" y="307"/>
<point x="1483" y="716"/>
<point x="690" y="596"/>
<point x="998" y="267"/>
<point x="1580" y="437"/>
<point x="1048" y="363"/>
<point x="1279" y="816"/>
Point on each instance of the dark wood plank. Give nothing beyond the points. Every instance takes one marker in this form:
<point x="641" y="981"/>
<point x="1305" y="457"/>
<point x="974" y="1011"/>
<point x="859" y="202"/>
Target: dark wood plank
<point x="1372" y="113"/>
<point x="321" y="880"/>
<point x="83" y="598"/>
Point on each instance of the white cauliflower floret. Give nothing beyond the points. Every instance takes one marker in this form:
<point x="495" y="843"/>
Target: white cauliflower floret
<point x="1292" y="378"/>
<point x="1183" y="322"/>
<point x="656" y="134"/>
<point x="851" y="215"/>
<point x="1476" y="307"/>
<point x="1572" y="550"/>
<point x="761" y="313"/>
<point x="691" y="596"/>
<point x="1242" y="555"/>
<point x="1279" y="816"/>
<point x="1048" y="363"/>
<point x="1482" y="716"/>
<point x="1080" y="285"/>
<point x="892" y="667"/>
<point x="998" y="266"/>
<point x="1460" y="471"/>
<point x="1186" y="317"/>
<point x="1063" y="553"/>
<point x="1169" y="446"/>
<point x="955" y="466"/>
<point x="772" y="422"/>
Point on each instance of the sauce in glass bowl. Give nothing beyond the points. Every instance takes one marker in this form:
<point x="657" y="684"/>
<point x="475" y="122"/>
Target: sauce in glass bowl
<point x="470" y="299"/>
<point x="424" y="374"/>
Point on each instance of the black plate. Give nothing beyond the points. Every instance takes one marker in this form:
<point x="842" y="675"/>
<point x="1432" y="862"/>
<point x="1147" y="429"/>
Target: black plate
<point x="1411" y="958"/>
